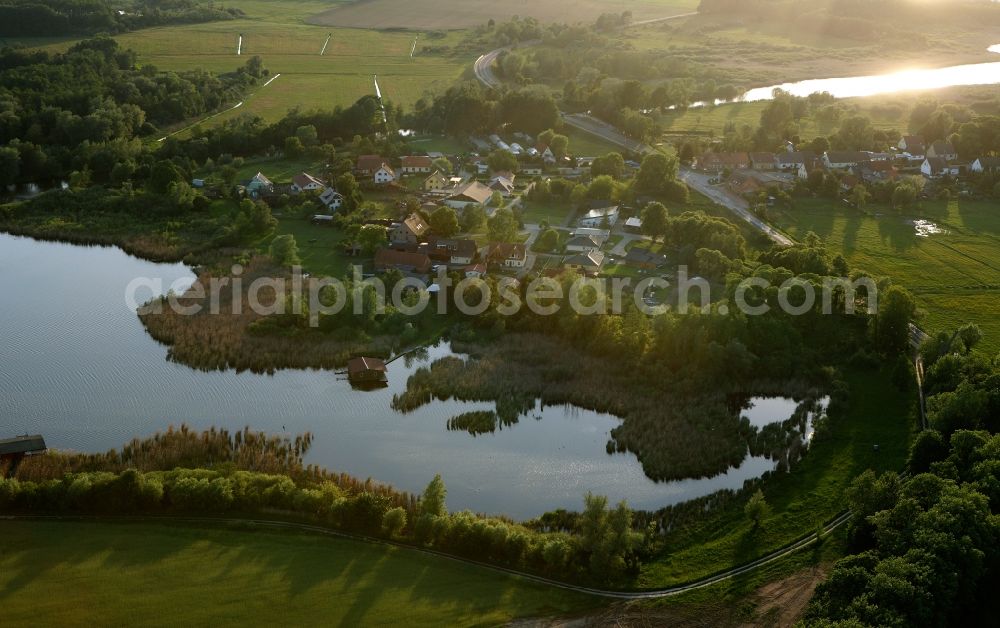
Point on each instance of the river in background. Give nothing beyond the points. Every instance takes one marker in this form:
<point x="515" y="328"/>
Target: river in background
<point x="77" y="367"/>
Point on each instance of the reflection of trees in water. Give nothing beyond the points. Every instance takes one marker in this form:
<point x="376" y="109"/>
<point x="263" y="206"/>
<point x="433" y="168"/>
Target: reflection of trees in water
<point x="785" y="441"/>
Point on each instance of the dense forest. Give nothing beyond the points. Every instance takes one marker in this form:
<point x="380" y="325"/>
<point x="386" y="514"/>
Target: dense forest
<point x="48" y="18"/>
<point x="926" y="546"/>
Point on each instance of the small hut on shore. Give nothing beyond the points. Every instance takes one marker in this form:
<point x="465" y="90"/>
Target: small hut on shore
<point x="366" y="371"/>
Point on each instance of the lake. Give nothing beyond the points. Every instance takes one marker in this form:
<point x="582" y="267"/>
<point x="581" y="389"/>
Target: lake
<point x="77" y="367"/>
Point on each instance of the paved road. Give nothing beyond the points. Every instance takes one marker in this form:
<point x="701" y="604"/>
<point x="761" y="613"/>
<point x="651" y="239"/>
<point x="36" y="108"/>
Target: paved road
<point x="735" y="203"/>
<point x="802" y="543"/>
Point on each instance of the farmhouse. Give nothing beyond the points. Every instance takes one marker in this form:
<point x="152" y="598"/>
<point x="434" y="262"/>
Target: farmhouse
<point x="453" y="252"/>
<point x="259" y="185"/>
<point x="942" y="150"/>
<point x="408" y="231"/>
<point x="506" y="254"/>
<point x="763" y="161"/>
<point x="384" y="175"/>
<point x="436" y="181"/>
<point x="502" y="184"/>
<point x="582" y="244"/>
<point x="368" y="164"/>
<point x="717" y="162"/>
<point x="587" y="263"/>
<point x="843" y="160"/>
<point x="934" y="167"/>
<point x="331" y="198"/>
<point x="416" y="164"/>
<point x="403" y="261"/>
<point x="600" y="216"/>
<point x="638" y="257"/>
<point x="472" y="193"/>
<point x="305" y="182"/>
<point x="986" y="164"/>
<point x="912" y="145"/>
<point x="794" y="160"/>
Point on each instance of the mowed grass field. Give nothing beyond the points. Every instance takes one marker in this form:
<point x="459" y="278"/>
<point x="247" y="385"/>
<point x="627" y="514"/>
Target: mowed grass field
<point x="117" y="574"/>
<point x="954" y="275"/>
<point x="452" y="14"/>
<point x="277" y="32"/>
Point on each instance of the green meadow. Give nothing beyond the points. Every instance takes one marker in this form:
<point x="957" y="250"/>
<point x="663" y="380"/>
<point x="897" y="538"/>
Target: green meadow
<point x="117" y="574"/>
<point x="954" y="274"/>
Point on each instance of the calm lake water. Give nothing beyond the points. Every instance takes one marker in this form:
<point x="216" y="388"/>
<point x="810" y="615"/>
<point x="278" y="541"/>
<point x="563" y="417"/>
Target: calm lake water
<point x="77" y="366"/>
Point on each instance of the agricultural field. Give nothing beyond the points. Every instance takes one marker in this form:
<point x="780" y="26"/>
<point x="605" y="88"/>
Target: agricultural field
<point x="953" y="274"/>
<point x="452" y="14"/>
<point x="87" y="573"/>
<point x="290" y="47"/>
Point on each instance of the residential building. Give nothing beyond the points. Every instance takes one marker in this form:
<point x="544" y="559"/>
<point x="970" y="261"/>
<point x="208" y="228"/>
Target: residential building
<point x="305" y="182"/>
<point x="416" y="164"/>
<point x="403" y="261"/>
<point x="844" y="160"/>
<point x="934" y="167"/>
<point x="506" y="254"/>
<point x="587" y="263"/>
<point x="638" y="257"/>
<point x="943" y="150"/>
<point x="912" y="145"/>
<point x="384" y="175"/>
<point x="600" y="216"/>
<point x="599" y="235"/>
<point x="477" y="271"/>
<point x="986" y="164"/>
<point x="763" y="161"/>
<point x="331" y="198"/>
<point x="717" y="162"/>
<point x="368" y="164"/>
<point x="437" y="181"/>
<point x="792" y="161"/>
<point x="502" y="184"/>
<point x="472" y="193"/>
<point x="259" y="185"/>
<point x="410" y="230"/>
<point x="453" y="252"/>
<point x="582" y="244"/>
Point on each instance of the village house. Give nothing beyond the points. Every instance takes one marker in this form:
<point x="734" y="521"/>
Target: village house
<point x="763" y="161"/>
<point x="599" y="235"/>
<point x="844" y="160"/>
<point x="531" y="171"/>
<point x="305" y="182"/>
<point x="942" y="150"/>
<point x="877" y="171"/>
<point x="331" y="198"/>
<point x="384" y="175"/>
<point x="634" y="224"/>
<point x="600" y="216"/>
<point x="506" y="254"/>
<point x="985" y="164"/>
<point x="472" y="193"/>
<point x="717" y="162"/>
<point x="453" y="252"/>
<point x="368" y="164"/>
<point x="410" y="263"/>
<point x="586" y="263"/>
<point x="408" y="231"/>
<point x="582" y="244"/>
<point x="437" y="181"/>
<point x="546" y="153"/>
<point x="416" y="164"/>
<point x="912" y="145"/>
<point x="934" y="167"/>
<point x="258" y="186"/>
<point x="638" y="257"/>
<point x="475" y="271"/>
<point x="792" y="161"/>
<point x="502" y="184"/>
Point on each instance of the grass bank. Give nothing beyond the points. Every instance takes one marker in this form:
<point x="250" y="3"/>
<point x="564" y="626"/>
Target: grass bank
<point x="86" y="573"/>
<point x="811" y="493"/>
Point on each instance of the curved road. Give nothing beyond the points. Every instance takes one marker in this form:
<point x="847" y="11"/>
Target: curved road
<point x="605" y="593"/>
